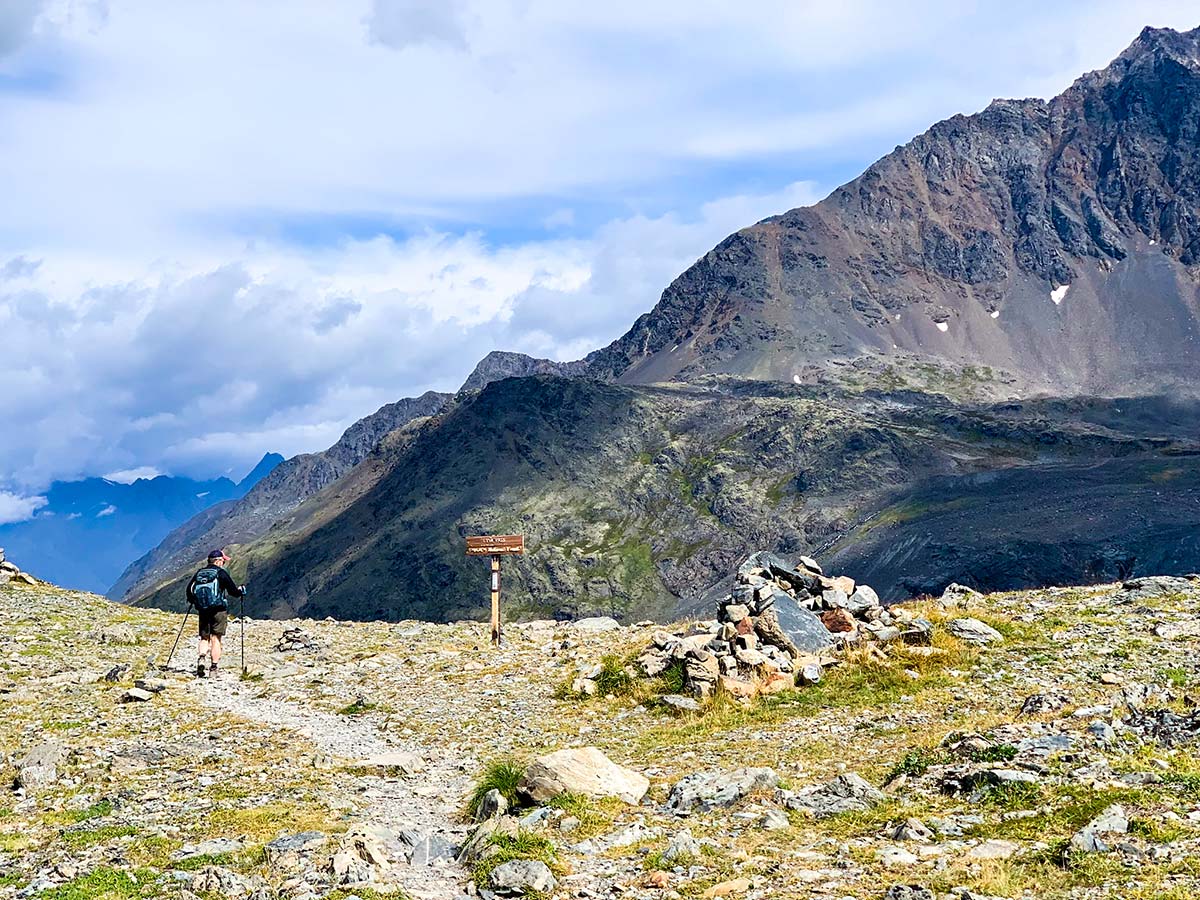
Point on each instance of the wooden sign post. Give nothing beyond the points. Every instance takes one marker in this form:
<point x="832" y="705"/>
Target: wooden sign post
<point x="495" y="546"/>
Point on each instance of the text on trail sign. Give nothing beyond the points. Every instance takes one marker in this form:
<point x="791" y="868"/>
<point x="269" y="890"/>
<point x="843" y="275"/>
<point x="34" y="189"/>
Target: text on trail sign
<point x="495" y="544"/>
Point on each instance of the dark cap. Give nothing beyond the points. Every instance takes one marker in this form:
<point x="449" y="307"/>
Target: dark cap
<point x="217" y="554"/>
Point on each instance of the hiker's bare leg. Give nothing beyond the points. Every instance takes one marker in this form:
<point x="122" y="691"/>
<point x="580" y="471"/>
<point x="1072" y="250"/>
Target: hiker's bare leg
<point x="216" y="650"/>
<point x="202" y="650"/>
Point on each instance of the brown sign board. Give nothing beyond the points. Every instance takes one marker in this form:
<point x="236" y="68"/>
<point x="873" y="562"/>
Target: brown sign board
<point x="495" y="544"/>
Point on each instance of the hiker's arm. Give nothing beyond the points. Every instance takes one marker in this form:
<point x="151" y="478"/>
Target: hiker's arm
<point x="228" y="585"/>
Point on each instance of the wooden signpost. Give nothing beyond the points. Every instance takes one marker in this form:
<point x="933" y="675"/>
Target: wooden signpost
<point x="495" y="546"/>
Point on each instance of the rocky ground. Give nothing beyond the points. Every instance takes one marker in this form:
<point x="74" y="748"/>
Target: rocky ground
<point x="1049" y="756"/>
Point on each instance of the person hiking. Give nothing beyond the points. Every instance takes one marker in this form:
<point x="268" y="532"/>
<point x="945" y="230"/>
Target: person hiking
<point x="209" y="591"/>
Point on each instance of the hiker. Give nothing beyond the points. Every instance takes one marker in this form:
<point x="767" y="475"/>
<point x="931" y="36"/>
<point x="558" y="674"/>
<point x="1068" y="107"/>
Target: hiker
<point x="209" y="591"/>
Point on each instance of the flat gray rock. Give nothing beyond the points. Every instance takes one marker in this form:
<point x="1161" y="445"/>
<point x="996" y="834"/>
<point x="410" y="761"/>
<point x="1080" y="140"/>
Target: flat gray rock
<point x="522" y="876"/>
<point x="596" y="623"/>
<point x="802" y="627"/>
<point x="846" y="793"/>
<point x="704" y="791"/>
<point x="974" y="632"/>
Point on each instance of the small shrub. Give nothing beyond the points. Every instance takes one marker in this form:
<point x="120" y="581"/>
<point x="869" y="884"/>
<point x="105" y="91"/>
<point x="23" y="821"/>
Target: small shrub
<point x="916" y="762"/>
<point x="357" y="708"/>
<point x="502" y="775"/>
<point x="673" y="679"/>
<point x="614" y="678"/>
<point x="996" y="753"/>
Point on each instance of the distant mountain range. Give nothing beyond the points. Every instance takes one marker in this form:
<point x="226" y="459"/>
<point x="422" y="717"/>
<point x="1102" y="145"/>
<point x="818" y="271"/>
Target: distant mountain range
<point x="89" y="529"/>
<point x="979" y="361"/>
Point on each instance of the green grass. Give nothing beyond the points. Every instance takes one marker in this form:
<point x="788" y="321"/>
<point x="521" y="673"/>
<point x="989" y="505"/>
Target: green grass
<point x="1175" y="677"/>
<point x="97" y="810"/>
<point x="365" y="894"/>
<point x="502" y="775"/>
<point x="357" y="708"/>
<point x="90" y="837"/>
<point x="106" y="884"/>
<point x="508" y="848"/>
<point x="916" y="762"/>
<point x="595" y="816"/>
<point x="614" y="677"/>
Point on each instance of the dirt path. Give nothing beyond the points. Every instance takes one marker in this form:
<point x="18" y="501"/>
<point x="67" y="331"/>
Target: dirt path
<point x="422" y="807"/>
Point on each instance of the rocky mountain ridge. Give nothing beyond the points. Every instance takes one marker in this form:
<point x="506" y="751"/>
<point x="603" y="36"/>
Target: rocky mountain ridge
<point x="285" y="488"/>
<point x="1054" y="241"/>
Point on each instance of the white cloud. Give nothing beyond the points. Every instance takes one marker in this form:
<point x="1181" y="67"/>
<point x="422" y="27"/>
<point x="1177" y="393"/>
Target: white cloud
<point x="15" y="508"/>
<point x="207" y="368"/>
<point x="107" y="511"/>
<point x="129" y="476"/>
<point x="229" y="231"/>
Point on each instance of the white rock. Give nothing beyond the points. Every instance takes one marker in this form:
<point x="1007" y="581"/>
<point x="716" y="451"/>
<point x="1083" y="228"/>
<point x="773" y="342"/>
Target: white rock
<point x="994" y="849"/>
<point x="582" y="770"/>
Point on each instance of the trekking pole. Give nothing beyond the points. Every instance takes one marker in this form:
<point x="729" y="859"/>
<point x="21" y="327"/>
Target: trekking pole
<point x="243" y="634"/>
<point x="187" y="612"/>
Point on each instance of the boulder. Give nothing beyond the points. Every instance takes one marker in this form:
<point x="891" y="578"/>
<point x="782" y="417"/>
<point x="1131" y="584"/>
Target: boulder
<point x="582" y="770"/>
<point x="909" y="892"/>
<point x="974" y="632"/>
<point x="595" y="624"/>
<point x="1090" y="838"/>
<point x="136" y="695"/>
<point x="839" y="621"/>
<point x="491" y="805"/>
<point x="300" y="842"/>
<point x="862" y="598"/>
<point x="846" y="793"/>
<point x="701" y="669"/>
<point x="40" y="767"/>
<point x="738" y="687"/>
<point x="959" y="595"/>
<point x="704" y="791"/>
<point x="681" y="703"/>
<point x="522" y="876"/>
<point x="803" y="629"/>
<point x="682" y="847"/>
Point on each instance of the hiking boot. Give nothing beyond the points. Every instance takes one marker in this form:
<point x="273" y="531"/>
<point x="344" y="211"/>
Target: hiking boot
<point x="212" y="671"/>
<point x="200" y="670"/>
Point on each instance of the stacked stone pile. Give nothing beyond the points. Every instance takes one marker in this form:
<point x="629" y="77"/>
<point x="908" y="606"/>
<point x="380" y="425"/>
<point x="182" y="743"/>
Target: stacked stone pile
<point x="780" y="625"/>
<point x="10" y="572"/>
<point x="295" y="639"/>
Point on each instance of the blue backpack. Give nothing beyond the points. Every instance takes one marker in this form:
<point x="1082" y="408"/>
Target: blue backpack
<point x="207" y="592"/>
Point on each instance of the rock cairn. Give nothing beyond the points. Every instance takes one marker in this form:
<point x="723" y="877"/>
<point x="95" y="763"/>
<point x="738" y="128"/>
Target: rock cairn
<point x="780" y="625"/>
<point x="295" y="639"/>
<point x="10" y="572"/>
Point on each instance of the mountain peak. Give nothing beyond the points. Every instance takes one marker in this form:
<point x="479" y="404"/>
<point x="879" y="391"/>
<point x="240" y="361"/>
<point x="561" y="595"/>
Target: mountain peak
<point x="260" y="471"/>
<point x="505" y="364"/>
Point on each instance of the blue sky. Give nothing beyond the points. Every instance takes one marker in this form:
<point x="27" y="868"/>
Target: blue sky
<point x="237" y="227"/>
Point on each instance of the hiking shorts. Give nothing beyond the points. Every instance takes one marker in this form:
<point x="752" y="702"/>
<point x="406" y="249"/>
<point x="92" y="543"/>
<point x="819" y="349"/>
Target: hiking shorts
<point x="213" y="622"/>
